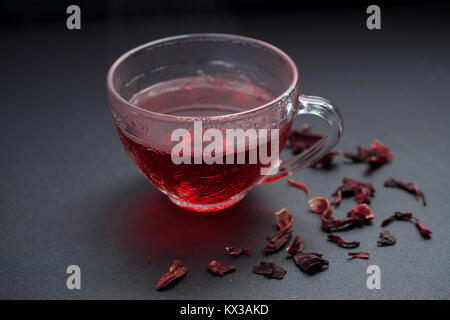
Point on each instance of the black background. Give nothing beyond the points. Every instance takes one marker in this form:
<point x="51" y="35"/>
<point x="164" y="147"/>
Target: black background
<point x="70" y="195"/>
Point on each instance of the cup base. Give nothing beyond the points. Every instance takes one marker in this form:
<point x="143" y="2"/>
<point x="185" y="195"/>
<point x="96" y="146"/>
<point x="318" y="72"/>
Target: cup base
<point x="207" y="207"/>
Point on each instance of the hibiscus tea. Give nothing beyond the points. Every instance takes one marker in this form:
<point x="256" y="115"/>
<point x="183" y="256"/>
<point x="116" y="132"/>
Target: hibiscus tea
<point x="197" y="96"/>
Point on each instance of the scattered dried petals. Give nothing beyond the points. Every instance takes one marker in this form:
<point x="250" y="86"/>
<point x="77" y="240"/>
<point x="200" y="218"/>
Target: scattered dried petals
<point x="298" y="185"/>
<point x="177" y="270"/>
<point x="407" y="186"/>
<point x="386" y="239"/>
<point x="217" y="268"/>
<point x="359" y="255"/>
<point x="279" y="239"/>
<point x="270" y="269"/>
<point x="341" y="242"/>
<point x="363" y="192"/>
<point x="408" y="217"/>
<point x="236" y="251"/>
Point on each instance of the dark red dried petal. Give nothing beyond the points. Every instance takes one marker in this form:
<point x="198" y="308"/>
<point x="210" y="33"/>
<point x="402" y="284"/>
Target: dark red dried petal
<point x="270" y="269"/>
<point x="381" y="148"/>
<point x="177" y="270"/>
<point x="341" y="242"/>
<point x="217" y="268"/>
<point x="386" y="239"/>
<point x="297" y="246"/>
<point x="424" y="232"/>
<point x="298" y="185"/>
<point x="236" y="251"/>
<point x="359" y="215"/>
<point x="408" y="217"/>
<point x="363" y="192"/>
<point x="397" y="216"/>
<point x="359" y="255"/>
<point x="319" y="204"/>
<point x="331" y="224"/>
<point x="378" y="154"/>
<point x="310" y="261"/>
<point x="407" y="186"/>
<point x="279" y="239"/>
<point x="362" y="213"/>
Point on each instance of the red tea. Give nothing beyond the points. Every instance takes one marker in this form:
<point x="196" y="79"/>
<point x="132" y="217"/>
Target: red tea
<point x="199" y="184"/>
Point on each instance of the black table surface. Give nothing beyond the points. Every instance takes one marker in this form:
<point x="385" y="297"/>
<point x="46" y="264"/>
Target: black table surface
<point x="71" y="196"/>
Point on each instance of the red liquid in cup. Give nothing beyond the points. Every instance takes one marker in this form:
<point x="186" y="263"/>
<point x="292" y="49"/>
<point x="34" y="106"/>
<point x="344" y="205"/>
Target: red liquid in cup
<point x="198" y="96"/>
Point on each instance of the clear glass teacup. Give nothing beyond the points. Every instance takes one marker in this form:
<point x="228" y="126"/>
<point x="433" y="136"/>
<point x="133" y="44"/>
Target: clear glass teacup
<point x="205" y="116"/>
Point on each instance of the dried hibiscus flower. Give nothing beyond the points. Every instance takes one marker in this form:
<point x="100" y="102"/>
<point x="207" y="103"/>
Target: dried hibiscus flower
<point x="298" y="185"/>
<point x="217" y="268"/>
<point x="386" y="239"/>
<point x="341" y="242"/>
<point x="360" y="214"/>
<point x="407" y="186"/>
<point x="363" y="192"/>
<point x="307" y="261"/>
<point x="235" y="251"/>
<point x="378" y="154"/>
<point x="270" y="269"/>
<point x="177" y="270"/>
<point x="359" y="255"/>
<point x="304" y="139"/>
<point x="279" y="239"/>
<point x="408" y="217"/>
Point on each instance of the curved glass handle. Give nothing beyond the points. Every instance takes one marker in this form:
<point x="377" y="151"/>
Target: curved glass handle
<point x="324" y="109"/>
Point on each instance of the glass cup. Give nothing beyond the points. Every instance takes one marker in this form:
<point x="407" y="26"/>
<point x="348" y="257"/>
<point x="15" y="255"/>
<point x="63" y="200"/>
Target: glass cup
<point x="219" y="62"/>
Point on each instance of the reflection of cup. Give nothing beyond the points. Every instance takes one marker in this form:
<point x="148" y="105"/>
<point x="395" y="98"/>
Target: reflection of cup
<point x="223" y="82"/>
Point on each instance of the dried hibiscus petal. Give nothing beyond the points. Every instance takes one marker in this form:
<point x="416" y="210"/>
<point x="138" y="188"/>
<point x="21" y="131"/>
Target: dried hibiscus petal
<point x="310" y="261"/>
<point x="297" y="246"/>
<point x="298" y="185"/>
<point x="378" y="154"/>
<point x="270" y="269"/>
<point x="363" y="192"/>
<point x="407" y="186"/>
<point x="217" y="268"/>
<point x="361" y="213"/>
<point x="306" y="261"/>
<point x="177" y="270"/>
<point x="279" y="239"/>
<point x="358" y="215"/>
<point x="341" y="242"/>
<point x="236" y="251"/>
<point x="304" y="139"/>
<point x="397" y="216"/>
<point x="423" y="231"/>
<point x="386" y="239"/>
<point x="408" y="217"/>
<point x="359" y="255"/>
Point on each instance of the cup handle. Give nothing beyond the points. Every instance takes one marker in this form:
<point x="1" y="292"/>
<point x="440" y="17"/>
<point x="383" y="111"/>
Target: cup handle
<point x="323" y="109"/>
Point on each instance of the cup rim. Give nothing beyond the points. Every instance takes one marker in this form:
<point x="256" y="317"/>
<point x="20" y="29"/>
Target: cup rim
<point x="292" y="84"/>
